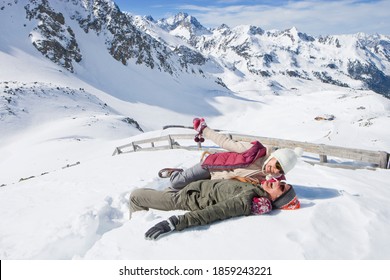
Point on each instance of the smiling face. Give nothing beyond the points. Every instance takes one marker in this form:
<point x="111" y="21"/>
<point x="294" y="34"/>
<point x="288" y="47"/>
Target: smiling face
<point x="273" y="167"/>
<point x="275" y="188"/>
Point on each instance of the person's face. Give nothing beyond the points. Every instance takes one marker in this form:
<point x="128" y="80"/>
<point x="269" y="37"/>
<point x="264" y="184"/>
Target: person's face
<point x="275" y="188"/>
<point x="273" y="167"/>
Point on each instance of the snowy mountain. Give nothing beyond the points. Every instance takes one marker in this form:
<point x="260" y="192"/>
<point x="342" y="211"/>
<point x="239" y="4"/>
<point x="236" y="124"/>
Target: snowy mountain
<point x="247" y="53"/>
<point x="252" y="54"/>
<point x="79" y="78"/>
<point x="96" y="46"/>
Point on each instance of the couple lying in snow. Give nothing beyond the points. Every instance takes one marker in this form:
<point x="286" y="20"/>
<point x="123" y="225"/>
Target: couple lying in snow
<point x="247" y="180"/>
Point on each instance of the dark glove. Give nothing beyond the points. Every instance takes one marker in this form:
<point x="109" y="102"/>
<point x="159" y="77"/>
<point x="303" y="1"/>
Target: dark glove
<point x="199" y="124"/>
<point x="162" y="228"/>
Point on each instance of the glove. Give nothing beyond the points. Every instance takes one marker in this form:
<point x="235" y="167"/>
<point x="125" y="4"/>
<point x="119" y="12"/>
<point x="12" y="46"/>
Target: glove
<point x="162" y="228"/>
<point x="261" y="205"/>
<point x="199" y="124"/>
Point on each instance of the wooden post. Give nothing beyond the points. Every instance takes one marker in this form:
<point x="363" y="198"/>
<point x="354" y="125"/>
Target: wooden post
<point x="384" y="160"/>
<point x="117" y="151"/>
<point x="323" y="158"/>
<point x="170" y="142"/>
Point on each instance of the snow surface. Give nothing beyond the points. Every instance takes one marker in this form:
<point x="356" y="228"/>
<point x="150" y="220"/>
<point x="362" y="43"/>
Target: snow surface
<point x="64" y="196"/>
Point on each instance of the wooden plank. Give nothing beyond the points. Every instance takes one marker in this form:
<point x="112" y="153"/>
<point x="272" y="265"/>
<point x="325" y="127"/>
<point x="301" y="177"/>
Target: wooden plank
<point x="321" y="149"/>
<point x="159" y="139"/>
<point x="338" y="165"/>
<point x="155" y="139"/>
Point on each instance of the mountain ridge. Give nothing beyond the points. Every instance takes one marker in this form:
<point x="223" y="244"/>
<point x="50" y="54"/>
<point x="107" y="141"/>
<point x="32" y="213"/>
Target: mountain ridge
<point x="356" y="61"/>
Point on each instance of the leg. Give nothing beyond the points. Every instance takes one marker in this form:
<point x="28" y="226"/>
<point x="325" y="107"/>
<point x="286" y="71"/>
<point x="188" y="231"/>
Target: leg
<point x="143" y="199"/>
<point x="181" y="179"/>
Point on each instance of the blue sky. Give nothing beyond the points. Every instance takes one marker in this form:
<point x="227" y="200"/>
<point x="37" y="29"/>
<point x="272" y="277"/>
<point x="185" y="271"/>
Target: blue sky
<point x="315" y="17"/>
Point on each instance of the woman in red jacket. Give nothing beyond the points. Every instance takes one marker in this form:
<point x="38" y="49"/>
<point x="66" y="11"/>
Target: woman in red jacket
<point x="243" y="159"/>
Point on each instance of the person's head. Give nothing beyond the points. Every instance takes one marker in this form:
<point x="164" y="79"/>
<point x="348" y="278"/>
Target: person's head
<point x="281" y="161"/>
<point x="282" y="195"/>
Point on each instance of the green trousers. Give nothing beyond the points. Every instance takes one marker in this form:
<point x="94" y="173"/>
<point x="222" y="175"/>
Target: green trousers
<point x="145" y="198"/>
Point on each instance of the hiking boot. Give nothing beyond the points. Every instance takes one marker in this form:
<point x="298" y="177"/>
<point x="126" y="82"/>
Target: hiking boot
<point x="167" y="172"/>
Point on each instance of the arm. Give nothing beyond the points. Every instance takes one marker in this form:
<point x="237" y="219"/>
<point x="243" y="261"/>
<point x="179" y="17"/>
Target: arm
<point x="234" y="207"/>
<point x="259" y="206"/>
<point x="225" y="142"/>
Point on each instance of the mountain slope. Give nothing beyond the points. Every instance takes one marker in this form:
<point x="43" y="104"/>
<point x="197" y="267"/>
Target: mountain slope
<point x="75" y="44"/>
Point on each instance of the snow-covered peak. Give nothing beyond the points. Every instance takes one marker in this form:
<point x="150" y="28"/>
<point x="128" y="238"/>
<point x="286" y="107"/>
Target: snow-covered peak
<point x="183" y="25"/>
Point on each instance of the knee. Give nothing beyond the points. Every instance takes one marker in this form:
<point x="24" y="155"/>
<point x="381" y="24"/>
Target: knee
<point x="135" y="202"/>
<point x="135" y="193"/>
<point x="134" y="196"/>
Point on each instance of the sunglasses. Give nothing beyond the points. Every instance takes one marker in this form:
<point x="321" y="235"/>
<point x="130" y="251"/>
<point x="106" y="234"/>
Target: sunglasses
<point x="279" y="167"/>
<point x="282" y="186"/>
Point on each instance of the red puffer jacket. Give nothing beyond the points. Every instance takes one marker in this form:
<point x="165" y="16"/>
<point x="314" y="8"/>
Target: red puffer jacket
<point x="232" y="160"/>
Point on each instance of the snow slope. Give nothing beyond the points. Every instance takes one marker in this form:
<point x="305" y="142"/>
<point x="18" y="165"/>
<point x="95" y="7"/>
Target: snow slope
<point x="81" y="212"/>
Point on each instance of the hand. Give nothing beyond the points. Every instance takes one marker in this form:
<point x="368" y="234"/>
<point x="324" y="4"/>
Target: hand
<point x="162" y="228"/>
<point x="199" y="124"/>
<point x="261" y="205"/>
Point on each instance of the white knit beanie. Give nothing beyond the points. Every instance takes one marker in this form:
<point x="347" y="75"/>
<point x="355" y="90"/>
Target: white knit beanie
<point x="287" y="157"/>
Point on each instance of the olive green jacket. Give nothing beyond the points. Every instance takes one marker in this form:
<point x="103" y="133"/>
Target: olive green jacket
<point x="212" y="200"/>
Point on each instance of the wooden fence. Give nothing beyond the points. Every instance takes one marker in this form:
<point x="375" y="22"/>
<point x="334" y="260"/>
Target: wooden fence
<point x="366" y="158"/>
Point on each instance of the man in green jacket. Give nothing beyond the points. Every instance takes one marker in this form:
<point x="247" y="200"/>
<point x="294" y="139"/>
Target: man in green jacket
<point x="208" y="201"/>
